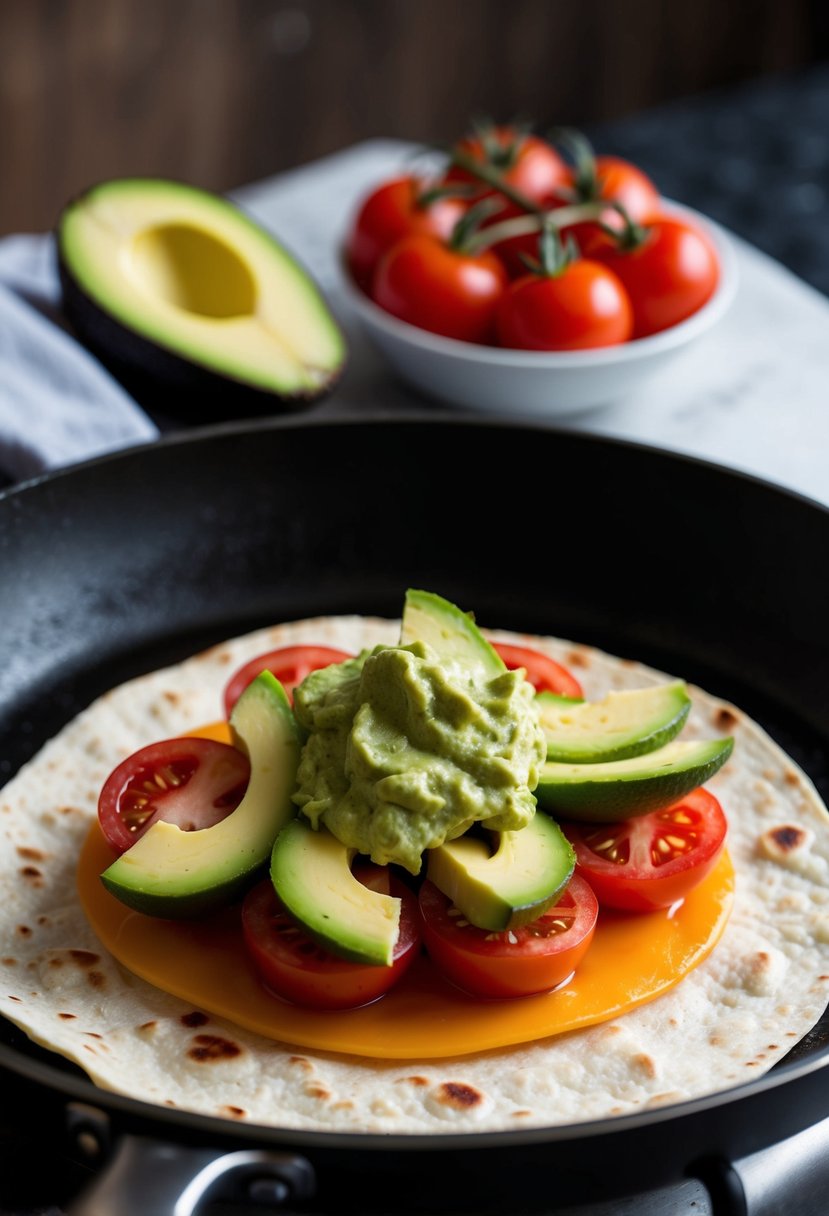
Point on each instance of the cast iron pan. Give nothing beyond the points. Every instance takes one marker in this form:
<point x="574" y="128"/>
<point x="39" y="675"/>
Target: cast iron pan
<point x="121" y="565"/>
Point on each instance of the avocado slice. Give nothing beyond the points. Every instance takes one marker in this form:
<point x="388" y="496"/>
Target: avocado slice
<point x="177" y="289"/>
<point x="451" y="633"/>
<point x="311" y="874"/>
<point x="171" y="873"/>
<point x="621" y="789"/>
<point x="508" y="886"/>
<point x="622" y="725"/>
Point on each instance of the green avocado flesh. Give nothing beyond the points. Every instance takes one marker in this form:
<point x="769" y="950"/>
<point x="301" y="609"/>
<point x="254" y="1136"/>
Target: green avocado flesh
<point x="189" y="273"/>
<point x="451" y="634"/>
<point x="620" y="789"/>
<point x="172" y="873"/>
<point x="408" y="746"/>
<point x="510" y="885"/>
<point x="311" y="873"/>
<point x="623" y="725"/>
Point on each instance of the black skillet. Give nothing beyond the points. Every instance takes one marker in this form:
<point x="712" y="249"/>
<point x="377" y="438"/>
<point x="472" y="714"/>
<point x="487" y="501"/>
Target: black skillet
<point x="127" y="563"/>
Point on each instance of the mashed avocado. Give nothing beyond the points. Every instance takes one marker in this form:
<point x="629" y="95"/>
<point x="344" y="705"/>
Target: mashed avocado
<point x="405" y="751"/>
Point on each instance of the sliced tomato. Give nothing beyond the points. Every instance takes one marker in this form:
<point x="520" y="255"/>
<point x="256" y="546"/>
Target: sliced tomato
<point x="519" y="962"/>
<point x="290" y="665"/>
<point x="292" y="965"/>
<point x="654" y="860"/>
<point x="544" y="673"/>
<point x="192" y="783"/>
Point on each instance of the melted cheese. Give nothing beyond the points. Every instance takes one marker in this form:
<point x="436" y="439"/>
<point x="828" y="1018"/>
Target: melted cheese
<point x="633" y="959"/>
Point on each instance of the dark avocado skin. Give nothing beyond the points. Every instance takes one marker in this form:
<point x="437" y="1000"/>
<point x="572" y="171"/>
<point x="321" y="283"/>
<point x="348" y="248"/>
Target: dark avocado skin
<point x="164" y="382"/>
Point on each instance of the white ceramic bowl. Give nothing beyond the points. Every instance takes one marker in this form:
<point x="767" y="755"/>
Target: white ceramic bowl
<point x="540" y="382"/>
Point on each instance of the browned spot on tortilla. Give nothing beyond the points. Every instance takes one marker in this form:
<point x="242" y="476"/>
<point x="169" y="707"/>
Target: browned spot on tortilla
<point x="751" y="1063"/>
<point x="772" y="1047"/>
<point x="70" y="810"/>
<point x="416" y="1080"/>
<point x="194" y="1019"/>
<point x="673" y="1022"/>
<point x="84" y="958"/>
<point x="823" y="977"/>
<point x="235" y="1112"/>
<point x="661" y="1099"/>
<point x="345" y="1104"/>
<point x="788" y="837"/>
<point x="31" y="872"/>
<point x="9" y="962"/>
<point x="459" y="1096"/>
<point x="318" y="1091"/>
<point x="24" y="930"/>
<point x="301" y="1062"/>
<point x="616" y="1110"/>
<point x="89" y="1047"/>
<point x="576" y="659"/>
<point x="56" y="962"/>
<point x="171" y="696"/>
<point x="93" y="1034"/>
<point x="792" y="1034"/>
<point x="146" y="1027"/>
<point x="16" y="998"/>
<point x="43" y="920"/>
<point x="716" y="1040"/>
<point x="521" y="1114"/>
<point x="67" y="1017"/>
<point x="208" y="1048"/>
<point x="96" y="979"/>
<point x="725" y="719"/>
<point x="645" y="1064"/>
<point x="791" y="777"/>
<point x="29" y="854"/>
<point x="169" y="1102"/>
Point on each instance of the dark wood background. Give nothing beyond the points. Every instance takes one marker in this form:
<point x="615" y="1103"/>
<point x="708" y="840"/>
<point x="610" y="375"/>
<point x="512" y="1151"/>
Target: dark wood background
<point x="222" y="92"/>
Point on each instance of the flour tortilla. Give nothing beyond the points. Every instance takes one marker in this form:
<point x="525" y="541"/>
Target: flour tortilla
<point x="762" y="989"/>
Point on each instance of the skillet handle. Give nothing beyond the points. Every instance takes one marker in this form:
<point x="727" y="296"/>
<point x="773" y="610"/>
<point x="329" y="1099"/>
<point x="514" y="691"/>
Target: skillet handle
<point x="152" y="1176"/>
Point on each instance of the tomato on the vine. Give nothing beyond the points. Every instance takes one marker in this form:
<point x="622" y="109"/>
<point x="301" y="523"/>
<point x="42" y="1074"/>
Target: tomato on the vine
<point x="294" y="966"/>
<point x="544" y="673"/>
<point x="441" y="289"/>
<point x="563" y="303"/>
<point x="650" y="861"/>
<point x="523" y="162"/>
<point x="583" y="308"/>
<point x="290" y="665"/>
<point x="397" y="208"/>
<point x="669" y="270"/>
<point x="518" y="962"/>
<point x="190" y="782"/>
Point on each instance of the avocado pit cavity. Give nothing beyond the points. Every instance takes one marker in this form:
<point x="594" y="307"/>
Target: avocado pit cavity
<point x="191" y="269"/>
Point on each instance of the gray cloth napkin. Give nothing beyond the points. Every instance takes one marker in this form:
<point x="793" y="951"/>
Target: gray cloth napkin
<point x="57" y="403"/>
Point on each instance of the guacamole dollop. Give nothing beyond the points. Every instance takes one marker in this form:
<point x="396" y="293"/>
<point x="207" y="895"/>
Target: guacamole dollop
<point x="405" y="751"/>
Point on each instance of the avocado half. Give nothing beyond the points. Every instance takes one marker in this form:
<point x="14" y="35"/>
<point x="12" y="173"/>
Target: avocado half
<point x="196" y="309"/>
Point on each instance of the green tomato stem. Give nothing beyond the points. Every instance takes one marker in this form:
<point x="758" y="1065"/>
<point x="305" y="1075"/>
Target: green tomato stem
<point x="525" y="225"/>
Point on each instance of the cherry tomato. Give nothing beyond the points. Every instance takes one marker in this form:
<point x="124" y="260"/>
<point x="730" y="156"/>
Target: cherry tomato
<point x="525" y="162"/>
<point x="193" y="783"/>
<point x="582" y="307"/>
<point x="653" y="860"/>
<point x="425" y="282"/>
<point x="668" y="277"/>
<point x="390" y="212"/>
<point x="617" y="181"/>
<point x="518" y="962"/>
<point x="544" y="673"/>
<point x="290" y="665"/>
<point x="290" y="963"/>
